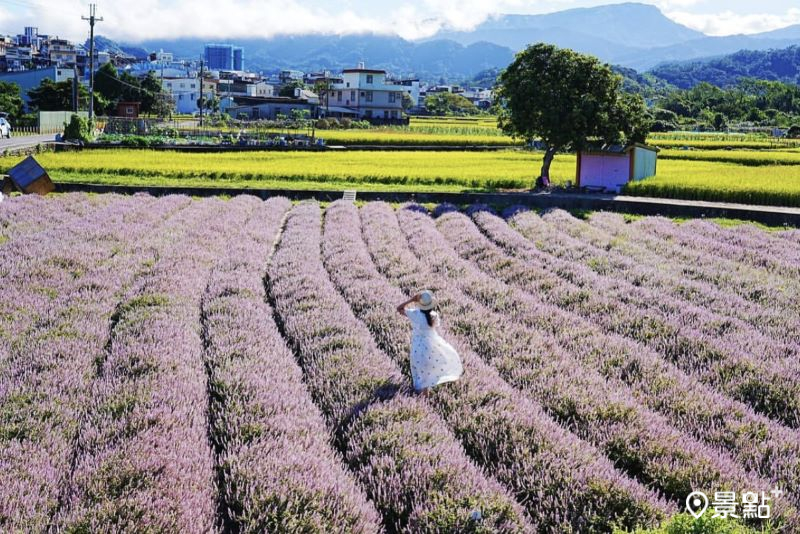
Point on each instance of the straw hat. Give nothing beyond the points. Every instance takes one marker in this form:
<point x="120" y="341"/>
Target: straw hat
<point x="425" y="300"/>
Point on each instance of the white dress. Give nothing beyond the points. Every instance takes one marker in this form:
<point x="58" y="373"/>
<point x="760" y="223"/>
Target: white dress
<point x="433" y="360"/>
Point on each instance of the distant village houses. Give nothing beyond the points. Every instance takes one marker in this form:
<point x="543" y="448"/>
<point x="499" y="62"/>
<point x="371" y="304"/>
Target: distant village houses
<point x="358" y="93"/>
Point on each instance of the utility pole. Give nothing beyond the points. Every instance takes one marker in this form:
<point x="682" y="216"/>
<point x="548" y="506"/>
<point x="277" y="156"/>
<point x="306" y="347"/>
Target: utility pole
<point x="75" y="89"/>
<point x="201" y="93"/>
<point x="92" y="19"/>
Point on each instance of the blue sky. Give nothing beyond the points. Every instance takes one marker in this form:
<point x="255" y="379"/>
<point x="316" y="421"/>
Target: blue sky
<point x="134" y="20"/>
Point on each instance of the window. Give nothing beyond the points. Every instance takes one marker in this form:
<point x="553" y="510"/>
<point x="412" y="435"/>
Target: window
<point x="369" y="96"/>
<point x="385" y="113"/>
<point x="368" y="113"/>
<point x="369" y="78"/>
<point x="340" y="96"/>
<point x="352" y="95"/>
<point x="392" y="97"/>
<point x="348" y="84"/>
<point x="191" y="86"/>
<point x="362" y="94"/>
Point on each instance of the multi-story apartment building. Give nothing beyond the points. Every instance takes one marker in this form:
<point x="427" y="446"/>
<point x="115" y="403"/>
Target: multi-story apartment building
<point x="30" y="37"/>
<point x="18" y="57"/>
<point x="224" y="57"/>
<point x="366" y="93"/>
<point x="238" y="58"/>
<point x="62" y="53"/>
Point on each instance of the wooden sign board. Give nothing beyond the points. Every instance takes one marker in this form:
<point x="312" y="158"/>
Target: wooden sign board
<point x="28" y="177"/>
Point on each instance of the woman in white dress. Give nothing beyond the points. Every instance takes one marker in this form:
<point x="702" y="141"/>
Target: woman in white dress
<point x="433" y="360"/>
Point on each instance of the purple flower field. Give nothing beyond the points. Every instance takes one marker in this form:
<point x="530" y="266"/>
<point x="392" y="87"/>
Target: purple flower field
<point x="181" y="365"/>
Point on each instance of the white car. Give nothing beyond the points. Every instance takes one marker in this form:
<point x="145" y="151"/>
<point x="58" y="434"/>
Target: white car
<point x="5" y="128"/>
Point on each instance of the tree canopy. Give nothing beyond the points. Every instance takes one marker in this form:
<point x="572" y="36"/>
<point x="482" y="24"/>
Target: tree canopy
<point x="52" y="96"/>
<point x="11" y="100"/>
<point x="111" y="88"/>
<point x="449" y="104"/>
<point x="567" y="99"/>
<point x="760" y="102"/>
<point x="288" y="89"/>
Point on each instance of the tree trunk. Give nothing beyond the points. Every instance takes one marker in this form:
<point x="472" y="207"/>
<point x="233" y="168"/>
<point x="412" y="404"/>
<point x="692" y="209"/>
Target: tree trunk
<point x="549" y="154"/>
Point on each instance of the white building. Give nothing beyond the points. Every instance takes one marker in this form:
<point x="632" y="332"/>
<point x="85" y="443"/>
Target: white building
<point x="239" y="88"/>
<point x="365" y="93"/>
<point x="186" y="92"/>
<point x="410" y="86"/>
<point x="483" y="98"/>
<point x="162" y="57"/>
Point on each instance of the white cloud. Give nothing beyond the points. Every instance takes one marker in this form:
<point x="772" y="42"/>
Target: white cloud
<point x="466" y="14"/>
<point x="668" y="5"/>
<point x="730" y="23"/>
<point x="137" y="20"/>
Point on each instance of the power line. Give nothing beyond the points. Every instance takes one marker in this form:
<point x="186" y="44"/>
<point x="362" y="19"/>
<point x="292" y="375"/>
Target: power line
<point x="52" y="6"/>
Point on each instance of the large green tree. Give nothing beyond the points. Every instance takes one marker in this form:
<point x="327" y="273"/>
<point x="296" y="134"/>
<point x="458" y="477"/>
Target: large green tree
<point x="11" y="100"/>
<point x="51" y="96"/>
<point x="567" y="99"/>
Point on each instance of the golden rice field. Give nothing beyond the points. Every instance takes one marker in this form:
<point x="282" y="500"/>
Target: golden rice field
<point x="439" y="135"/>
<point x="758" y="177"/>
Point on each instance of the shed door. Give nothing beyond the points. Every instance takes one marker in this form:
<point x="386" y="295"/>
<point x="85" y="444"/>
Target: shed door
<point x="606" y="171"/>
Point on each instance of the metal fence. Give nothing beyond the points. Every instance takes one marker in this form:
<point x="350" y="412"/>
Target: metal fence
<point x="23" y="131"/>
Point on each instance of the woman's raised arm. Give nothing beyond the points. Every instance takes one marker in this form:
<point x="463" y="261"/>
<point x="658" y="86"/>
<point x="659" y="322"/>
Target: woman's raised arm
<point x="401" y="309"/>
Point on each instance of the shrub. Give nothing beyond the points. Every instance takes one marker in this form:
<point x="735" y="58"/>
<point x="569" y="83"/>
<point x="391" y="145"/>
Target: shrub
<point x="78" y="129"/>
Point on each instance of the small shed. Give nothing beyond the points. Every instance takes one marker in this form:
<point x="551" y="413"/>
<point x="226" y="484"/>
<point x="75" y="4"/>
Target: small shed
<point x="612" y="166"/>
<point x="128" y="110"/>
<point x="28" y="177"/>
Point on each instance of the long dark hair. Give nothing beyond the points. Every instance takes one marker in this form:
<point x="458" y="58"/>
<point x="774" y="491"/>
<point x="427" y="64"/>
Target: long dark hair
<point x="428" y="317"/>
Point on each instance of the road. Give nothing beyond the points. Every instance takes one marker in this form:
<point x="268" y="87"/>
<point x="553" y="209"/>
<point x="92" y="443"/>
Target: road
<point x="25" y="141"/>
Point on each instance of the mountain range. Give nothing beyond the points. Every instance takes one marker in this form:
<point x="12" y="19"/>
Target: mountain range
<point x="631" y="35"/>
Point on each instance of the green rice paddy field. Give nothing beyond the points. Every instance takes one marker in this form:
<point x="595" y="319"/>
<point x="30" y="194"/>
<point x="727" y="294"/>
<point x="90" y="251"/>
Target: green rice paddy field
<point x="759" y="177"/>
